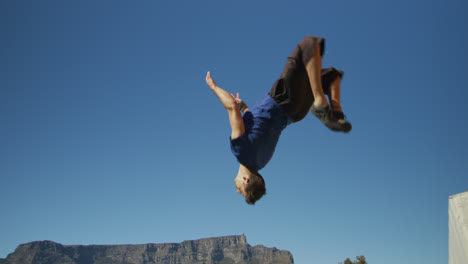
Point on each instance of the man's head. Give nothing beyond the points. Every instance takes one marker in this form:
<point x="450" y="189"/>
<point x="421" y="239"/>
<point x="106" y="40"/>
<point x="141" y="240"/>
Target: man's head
<point x="250" y="184"/>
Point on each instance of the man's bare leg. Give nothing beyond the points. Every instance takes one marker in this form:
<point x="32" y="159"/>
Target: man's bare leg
<point x="335" y="102"/>
<point x="320" y="107"/>
<point x="314" y="70"/>
<point x="335" y="94"/>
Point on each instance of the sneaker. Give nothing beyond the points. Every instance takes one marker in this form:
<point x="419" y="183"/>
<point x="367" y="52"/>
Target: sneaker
<point x="340" y="117"/>
<point x="327" y="117"/>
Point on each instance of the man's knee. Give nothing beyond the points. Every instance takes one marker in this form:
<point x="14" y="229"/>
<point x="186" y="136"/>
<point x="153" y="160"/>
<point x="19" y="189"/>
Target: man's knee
<point x="311" y="47"/>
<point x="310" y="43"/>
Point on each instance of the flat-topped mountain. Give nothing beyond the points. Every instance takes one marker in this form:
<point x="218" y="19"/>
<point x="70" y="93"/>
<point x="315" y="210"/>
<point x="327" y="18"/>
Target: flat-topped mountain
<point x="217" y="250"/>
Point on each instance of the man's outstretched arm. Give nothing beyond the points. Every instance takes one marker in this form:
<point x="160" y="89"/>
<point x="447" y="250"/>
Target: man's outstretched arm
<point x="229" y="102"/>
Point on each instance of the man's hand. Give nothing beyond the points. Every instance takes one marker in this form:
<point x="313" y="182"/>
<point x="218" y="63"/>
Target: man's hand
<point x="211" y="83"/>
<point x="242" y="105"/>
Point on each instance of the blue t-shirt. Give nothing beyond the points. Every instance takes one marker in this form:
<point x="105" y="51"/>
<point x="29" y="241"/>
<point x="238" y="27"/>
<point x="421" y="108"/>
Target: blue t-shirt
<point x="263" y="123"/>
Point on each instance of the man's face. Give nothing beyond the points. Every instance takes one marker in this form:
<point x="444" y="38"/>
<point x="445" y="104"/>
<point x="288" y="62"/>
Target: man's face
<point x="242" y="179"/>
<point x="240" y="186"/>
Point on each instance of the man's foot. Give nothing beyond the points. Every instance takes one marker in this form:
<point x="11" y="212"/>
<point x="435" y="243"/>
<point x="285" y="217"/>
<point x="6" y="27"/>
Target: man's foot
<point x="327" y="117"/>
<point x="340" y="117"/>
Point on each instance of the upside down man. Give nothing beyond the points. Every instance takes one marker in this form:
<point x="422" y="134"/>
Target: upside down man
<point x="301" y="88"/>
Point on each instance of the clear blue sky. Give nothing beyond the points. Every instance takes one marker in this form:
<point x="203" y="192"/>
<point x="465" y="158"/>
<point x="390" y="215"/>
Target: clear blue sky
<point x="109" y="134"/>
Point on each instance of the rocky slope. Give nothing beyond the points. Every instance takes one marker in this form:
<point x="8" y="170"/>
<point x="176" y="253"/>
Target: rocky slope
<point x="218" y="250"/>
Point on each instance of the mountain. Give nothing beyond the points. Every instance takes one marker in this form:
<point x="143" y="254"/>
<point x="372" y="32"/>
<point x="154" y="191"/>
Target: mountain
<point x="217" y="250"/>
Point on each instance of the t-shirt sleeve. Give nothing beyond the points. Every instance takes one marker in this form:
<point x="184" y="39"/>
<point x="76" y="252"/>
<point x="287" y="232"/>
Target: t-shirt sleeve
<point x="239" y="145"/>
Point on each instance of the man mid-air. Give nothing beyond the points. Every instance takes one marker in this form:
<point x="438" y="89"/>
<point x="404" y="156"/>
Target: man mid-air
<point x="256" y="130"/>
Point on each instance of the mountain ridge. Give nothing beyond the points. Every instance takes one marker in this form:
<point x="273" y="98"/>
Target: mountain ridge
<point x="214" y="250"/>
